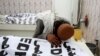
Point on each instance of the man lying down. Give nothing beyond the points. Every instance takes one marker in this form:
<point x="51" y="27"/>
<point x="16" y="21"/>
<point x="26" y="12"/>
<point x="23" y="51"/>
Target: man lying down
<point x="56" y="43"/>
<point x="55" y="32"/>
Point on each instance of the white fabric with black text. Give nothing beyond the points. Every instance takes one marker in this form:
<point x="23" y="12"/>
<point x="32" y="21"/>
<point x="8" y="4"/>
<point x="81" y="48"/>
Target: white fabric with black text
<point x="18" y="46"/>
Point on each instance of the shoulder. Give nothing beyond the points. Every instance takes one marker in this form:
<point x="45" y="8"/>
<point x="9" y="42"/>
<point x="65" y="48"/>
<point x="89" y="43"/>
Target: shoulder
<point x="61" y="20"/>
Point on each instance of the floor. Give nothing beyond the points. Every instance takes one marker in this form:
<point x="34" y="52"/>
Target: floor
<point x="77" y="36"/>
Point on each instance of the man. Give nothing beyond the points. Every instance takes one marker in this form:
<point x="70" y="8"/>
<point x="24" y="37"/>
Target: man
<point x="55" y="35"/>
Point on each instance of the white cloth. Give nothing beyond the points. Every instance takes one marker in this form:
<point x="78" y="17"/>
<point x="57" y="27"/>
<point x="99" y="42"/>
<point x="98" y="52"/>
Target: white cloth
<point x="48" y="20"/>
<point x="13" y="46"/>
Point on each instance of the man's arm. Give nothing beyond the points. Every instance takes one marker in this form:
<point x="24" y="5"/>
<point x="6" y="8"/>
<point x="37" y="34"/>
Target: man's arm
<point x="39" y="28"/>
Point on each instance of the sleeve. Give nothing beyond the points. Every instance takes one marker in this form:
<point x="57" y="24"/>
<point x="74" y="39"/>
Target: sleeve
<point x="47" y="30"/>
<point x="39" y="28"/>
<point x="44" y="26"/>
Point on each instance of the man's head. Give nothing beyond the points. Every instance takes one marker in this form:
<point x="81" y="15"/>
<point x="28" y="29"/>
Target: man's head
<point x="63" y="29"/>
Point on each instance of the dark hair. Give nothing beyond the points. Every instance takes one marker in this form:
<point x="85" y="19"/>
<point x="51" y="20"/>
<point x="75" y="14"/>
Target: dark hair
<point x="57" y="23"/>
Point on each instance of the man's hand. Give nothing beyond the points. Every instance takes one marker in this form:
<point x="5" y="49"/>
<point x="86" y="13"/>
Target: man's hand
<point x="53" y="40"/>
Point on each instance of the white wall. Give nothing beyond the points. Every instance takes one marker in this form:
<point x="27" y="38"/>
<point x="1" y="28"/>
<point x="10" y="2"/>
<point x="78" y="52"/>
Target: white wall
<point x="74" y="11"/>
<point x="66" y="9"/>
<point x="91" y="8"/>
<point x="24" y="6"/>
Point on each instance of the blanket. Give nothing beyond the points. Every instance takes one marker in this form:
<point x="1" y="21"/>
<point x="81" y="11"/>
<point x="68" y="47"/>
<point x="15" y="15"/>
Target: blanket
<point x="21" y="18"/>
<point x="18" y="46"/>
